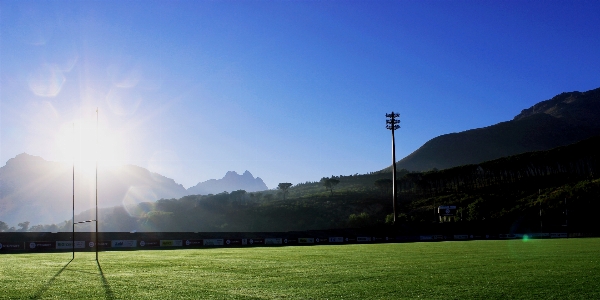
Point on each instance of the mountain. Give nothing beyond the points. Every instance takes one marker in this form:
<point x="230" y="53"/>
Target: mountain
<point x="41" y="192"/>
<point x="231" y="182"/>
<point x="565" y="119"/>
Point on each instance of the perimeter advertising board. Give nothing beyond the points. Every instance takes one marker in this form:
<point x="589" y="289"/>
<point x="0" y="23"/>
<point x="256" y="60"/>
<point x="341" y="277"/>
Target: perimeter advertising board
<point x="101" y="244"/>
<point x="69" y="245"/>
<point x="273" y="241"/>
<point x="11" y="246"/>
<point x="306" y="241"/>
<point x="149" y="243"/>
<point x="321" y="240"/>
<point x="194" y="243"/>
<point x="336" y="239"/>
<point x="236" y="242"/>
<point x="213" y="242"/>
<point x="256" y="241"/>
<point x="171" y="243"/>
<point x="123" y="243"/>
<point x="538" y="235"/>
<point x="41" y="245"/>
<point x="408" y="238"/>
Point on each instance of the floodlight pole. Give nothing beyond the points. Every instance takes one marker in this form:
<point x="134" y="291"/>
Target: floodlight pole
<point x="392" y="124"/>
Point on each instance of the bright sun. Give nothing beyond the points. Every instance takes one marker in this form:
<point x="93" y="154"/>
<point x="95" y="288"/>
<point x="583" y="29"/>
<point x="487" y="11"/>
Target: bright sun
<point x="84" y="142"/>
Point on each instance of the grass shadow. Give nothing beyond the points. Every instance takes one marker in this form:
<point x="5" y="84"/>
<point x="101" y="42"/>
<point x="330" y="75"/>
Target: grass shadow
<point x="107" y="290"/>
<point x="48" y="284"/>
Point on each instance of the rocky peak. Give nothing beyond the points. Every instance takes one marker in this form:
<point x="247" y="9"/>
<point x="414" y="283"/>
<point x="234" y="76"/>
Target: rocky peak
<point x="573" y="105"/>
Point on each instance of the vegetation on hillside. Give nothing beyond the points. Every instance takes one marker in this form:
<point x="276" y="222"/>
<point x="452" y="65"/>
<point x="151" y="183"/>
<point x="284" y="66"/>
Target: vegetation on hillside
<point x="529" y="192"/>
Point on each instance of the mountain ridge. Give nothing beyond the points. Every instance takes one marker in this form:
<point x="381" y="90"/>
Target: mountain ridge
<point x="40" y="191"/>
<point x="562" y="120"/>
<point x="246" y="182"/>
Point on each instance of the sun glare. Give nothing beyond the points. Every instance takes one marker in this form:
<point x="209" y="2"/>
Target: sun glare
<point x="84" y="143"/>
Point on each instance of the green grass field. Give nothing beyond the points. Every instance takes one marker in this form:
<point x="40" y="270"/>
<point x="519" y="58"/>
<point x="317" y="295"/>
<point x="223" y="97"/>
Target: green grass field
<point x="534" y="269"/>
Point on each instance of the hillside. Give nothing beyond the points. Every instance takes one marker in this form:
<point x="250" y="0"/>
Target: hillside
<point x="39" y="191"/>
<point x="562" y="120"/>
<point x="498" y="196"/>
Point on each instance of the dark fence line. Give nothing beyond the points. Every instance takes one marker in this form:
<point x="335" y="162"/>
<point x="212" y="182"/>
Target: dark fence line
<point x="115" y="241"/>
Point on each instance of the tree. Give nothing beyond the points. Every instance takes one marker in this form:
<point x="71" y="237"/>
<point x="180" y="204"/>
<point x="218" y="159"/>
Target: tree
<point x="37" y="228"/>
<point x="384" y="185"/>
<point x="255" y="197"/>
<point x="24" y="226"/>
<point x="284" y="186"/>
<point x="361" y="220"/>
<point x="329" y="183"/>
<point x="237" y="196"/>
<point x="3" y="226"/>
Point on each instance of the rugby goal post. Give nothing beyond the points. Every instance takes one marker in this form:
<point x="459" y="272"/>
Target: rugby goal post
<point x="73" y="211"/>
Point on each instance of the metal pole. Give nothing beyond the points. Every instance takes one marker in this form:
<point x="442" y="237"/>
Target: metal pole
<point x="73" y="214"/>
<point x="392" y="124"/>
<point x="395" y="195"/>
<point x="96" y="184"/>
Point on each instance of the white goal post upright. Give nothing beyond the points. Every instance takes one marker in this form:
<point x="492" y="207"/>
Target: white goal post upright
<point x="73" y="214"/>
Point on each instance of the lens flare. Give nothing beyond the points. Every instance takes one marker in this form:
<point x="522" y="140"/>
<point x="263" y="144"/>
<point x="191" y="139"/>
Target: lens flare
<point x="136" y="195"/>
<point x="46" y="81"/>
<point x="123" y="101"/>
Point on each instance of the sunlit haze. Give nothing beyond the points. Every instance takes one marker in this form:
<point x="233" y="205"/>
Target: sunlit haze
<point x="290" y="90"/>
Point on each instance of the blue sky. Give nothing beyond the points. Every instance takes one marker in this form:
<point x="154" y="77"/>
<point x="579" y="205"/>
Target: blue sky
<point x="290" y="90"/>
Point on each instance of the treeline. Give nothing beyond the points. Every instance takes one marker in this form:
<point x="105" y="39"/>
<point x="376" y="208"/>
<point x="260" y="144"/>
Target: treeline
<point x="517" y="193"/>
<point x="230" y="212"/>
<point x="25" y="227"/>
<point x="577" y="161"/>
<point x="559" y="188"/>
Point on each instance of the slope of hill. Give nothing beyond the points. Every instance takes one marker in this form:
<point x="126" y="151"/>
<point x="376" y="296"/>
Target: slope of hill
<point x="562" y="120"/>
<point x="39" y="191"/>
<point x="230" y="182"/>
<point x="496" y="196"/>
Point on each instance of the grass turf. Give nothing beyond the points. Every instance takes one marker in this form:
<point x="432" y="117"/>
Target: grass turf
<point x="543" y="269"/>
